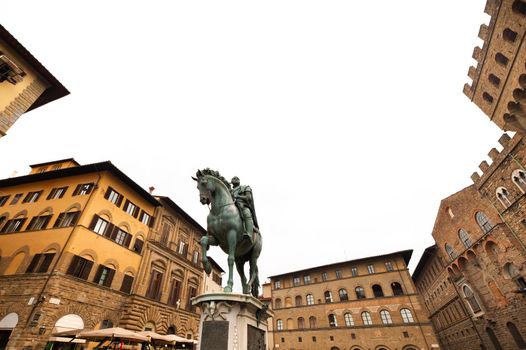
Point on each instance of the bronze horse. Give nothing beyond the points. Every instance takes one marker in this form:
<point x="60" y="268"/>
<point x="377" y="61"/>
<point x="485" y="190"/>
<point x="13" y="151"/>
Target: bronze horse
<point x="225" y="228"/>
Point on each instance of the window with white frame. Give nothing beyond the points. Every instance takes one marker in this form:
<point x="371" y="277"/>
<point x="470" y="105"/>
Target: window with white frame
<point x="306" y="279"/>
<point x="366" y="318"/>
<point x="386" y="317"/>
<point x="389" y="266"/>
<point x="503" y="196"/>
<point x="333" y="322"/>
<point x="407" y="316"/>
<point x="464" y="238"/>
<point x="450" y="252"/>
<point x="370" y="268"/>
<point x="519" y="179"/>
<point x="471" y="299"/>
<point x="279" y="325"/>
<point x="328" y="296"/>
<point x="277" y="284"/>
<point x="296" y="281"/>
<point x="349" y="321"/>
<point x="483" y="222"/>
<point x="310" y="299"/>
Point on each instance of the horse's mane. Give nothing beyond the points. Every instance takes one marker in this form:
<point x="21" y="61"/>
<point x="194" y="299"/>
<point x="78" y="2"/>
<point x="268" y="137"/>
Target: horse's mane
<point x="215" y="174"/>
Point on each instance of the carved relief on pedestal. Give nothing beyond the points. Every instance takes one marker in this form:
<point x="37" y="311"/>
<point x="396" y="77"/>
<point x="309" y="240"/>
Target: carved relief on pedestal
<point x="215" y="310"/>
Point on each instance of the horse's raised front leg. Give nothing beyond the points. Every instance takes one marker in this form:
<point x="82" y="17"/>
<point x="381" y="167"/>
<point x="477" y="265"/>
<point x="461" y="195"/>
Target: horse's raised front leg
<point x="232" y="240"/>
<point x="240" y="264"/>
<point x="207" y="241"/>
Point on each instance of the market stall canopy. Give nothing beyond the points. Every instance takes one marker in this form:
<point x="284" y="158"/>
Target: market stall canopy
<point x="156" y="336"/>
<point x="115" y="333"/>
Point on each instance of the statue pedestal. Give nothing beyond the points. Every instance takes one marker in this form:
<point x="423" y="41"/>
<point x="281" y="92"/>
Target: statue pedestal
<point x="232" y="322"/>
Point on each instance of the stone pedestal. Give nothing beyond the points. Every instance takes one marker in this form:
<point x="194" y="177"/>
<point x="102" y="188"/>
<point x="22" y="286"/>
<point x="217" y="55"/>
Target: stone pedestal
<point x="232" y="322"/>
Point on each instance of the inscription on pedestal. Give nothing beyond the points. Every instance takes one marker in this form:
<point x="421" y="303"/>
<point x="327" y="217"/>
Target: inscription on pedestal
<point x="255" y="338"/>
<point x="215" y="335"/>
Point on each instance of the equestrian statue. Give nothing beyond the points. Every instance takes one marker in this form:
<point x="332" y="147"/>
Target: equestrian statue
<point x="231" y="224"/>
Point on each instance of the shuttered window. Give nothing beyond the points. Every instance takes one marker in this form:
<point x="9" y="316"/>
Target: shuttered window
<point x="67" y="219"/>
<point x="14" y="225"/>
<point x="57" y="193"/>
<point x="113" y="196"/>
<point x="32" y="197"/>
<point x="39" y="223"/>
<point x="127" y="284"/>
<point x="80" y="267"/>
<point x="83" y="189"/>
<point x="104" y="276"/>
<point x="40" y="263"/>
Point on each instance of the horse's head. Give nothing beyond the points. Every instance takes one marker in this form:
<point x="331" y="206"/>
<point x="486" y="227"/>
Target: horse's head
<point x="205" y="185"/>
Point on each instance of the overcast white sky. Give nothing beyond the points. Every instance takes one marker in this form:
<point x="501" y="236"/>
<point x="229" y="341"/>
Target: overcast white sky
<point x="346" y="118"/>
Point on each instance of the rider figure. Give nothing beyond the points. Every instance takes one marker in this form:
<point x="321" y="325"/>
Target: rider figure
<point x="242" y="196"/>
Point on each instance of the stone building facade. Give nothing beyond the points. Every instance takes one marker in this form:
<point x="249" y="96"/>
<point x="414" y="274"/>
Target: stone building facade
<point x="25" y="84"/>
<point x="368" y="303"/>
<point x="472" y="280"/>
<point x="499" y="78"/>
<point x="86" y="247"/>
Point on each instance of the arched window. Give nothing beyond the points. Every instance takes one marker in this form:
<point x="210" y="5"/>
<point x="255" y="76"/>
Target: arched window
<point x="333" y="322"/>
<point x="171" y="330"/>
<point x="397" y="288"/>
<point x="106" y="324"/>
<point x="407" y="316"/>
<point x="310" y="299"/>
<point x="279" y="325"/>
<point x="514" y="274"/>
<point x="301" y="323"/>
<point x="328" y="297"/>
<point x="501" y="59"/>
<point x="360" y="293"/>
<point x="483" y="222"/>
<point x="471" y="299"/>
<point x="312" y="322"/>
<point x="516" y="335"/>
<point x="450" y="252"/>
<point x="290" y="323"/>
<point x="386" y="317"/>
<point x="298" y="300"/>
<point x="503" y="196"/>
<point x="366" y="318"/>
<point x="349" y="322"/>
<point x="277" y="304"/>
<point x="519" y="7"/>
<point x="519" y="179"/>
<point x="494" y="339"/>
<point x="377" y="291"/>
<point x="343" y="295"/>
<point x="464" y="238"/>
<point x="288" y="302"/>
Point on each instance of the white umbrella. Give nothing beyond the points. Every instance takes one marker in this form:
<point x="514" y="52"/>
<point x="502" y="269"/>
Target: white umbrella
<point x="115" y="333"/>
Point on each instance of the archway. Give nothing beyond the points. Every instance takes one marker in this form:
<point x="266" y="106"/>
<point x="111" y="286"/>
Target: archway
<point x="7" y="324"/>
<point x="65" y="327"/>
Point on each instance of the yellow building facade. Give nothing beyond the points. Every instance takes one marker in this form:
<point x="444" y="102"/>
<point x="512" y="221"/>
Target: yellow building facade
<point x="25" y="83"/>
<point x="81" y="248"/>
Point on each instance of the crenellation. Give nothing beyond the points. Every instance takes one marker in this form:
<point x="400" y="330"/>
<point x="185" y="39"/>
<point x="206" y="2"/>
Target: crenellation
<point x="468" y="91"/>
<point x="475" y="177"/>
<point x="491" y="7"/>
<point x="483" y="166"/>
<point x="483" y="31"/>
<point x="504" y="140"/>
<point x="472" y="72"/>
<point x="477" y="53"/>
<point x="493" y="154"/>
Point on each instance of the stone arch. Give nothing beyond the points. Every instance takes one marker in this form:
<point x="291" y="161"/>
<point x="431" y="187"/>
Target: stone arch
<point x="130" y="271"/>
<point x="5" y="214"/>
<point x="47" y="210"/>
<point x="356" y="347"/>
<point x="140" y="235"/>
<point x="105" y="214"/>
<point x="18" y="260"/>
<point x="112" y="316"/>
<point x="52" y="248"/>
<point x="178" y="272"/>
<point x="73" y="206"/>
<point x="89" y="316"/>
<point x="22" y="213"/>
<point x="89" y="253"/>
<point x="410" y="347"/>
<point x="462" y="263"/>
<point x="160" y="263"/>
<point x="151" y="314"/>
<point x="381" y="347"/>
<point x="9" y="321"/>
<point x="191" y="327"/>
<point x="113" y="262"/>
<point x="172" y="321"/>
<point x="193" y="280"/>
<point x="125" y="225"/>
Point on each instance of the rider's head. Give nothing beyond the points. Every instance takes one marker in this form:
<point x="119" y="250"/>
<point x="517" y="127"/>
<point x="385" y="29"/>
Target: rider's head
<point x="235" y="181"/>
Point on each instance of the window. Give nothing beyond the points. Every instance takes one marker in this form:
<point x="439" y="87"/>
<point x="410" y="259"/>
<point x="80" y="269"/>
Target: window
<point x="519" y="7"/>
<point x="67" y="219"/>
<point x="407" y="316"/>
<point x="521" y="344"/>
<point x="483" y="222"/>
<point x="40" y="263"/>
<point x="79" y="267"/>
<point x="366" y="318"/>
<point x="182" y="248"/>
<point x="83" y="189"/>
<point x="503" y="196"/>
<point x="306" y="279"/>
<point x="277" y="284"/>
<point x="113" y="196"/>
<point x="301" y="323"/>
<point x="145" y="218"/>
<point x="389" y="266"/>
<point x="328" y="297"/>
<point x="397" y="288"/>
<point x="131" y="209"/>
<point x="519" y="179"/>
<point x="100" y="226"/>
<point x="57" y="193"/>
<point x="32" y="197"/>
<point x="192" y="292"/>
<point x="137" y="246"/>
<point x="501" y="59"/>
<point x="312" y="322"/>
<point x="277" y="304"/>
<point x="493" y="338"/>
<point x="509" y="35"/>
<point x="106" y="324"/>
<point x="386" y="317"/>
<point x="14" y="225"/>
<point x="314" y="339"/>
<point x="3" y="200"/>
<point x="333" y="322"/>
<point x="343" y="295"/>
<point x="127" y="284"/>
<point x="464" y="238"/>
<point x="377" y="291"/>
<point x="370" y="268"/>
<point x="195" y="257"/>
<point x="299" y="340"/>
<point x="347" y="317"/>
<point x="279" y="325"/>
<point x="487" y="97"/>
<point x="39" y="223"/>
<point x="16" y="198"/>
<point x="338" y="274"/>
<point x="298" y="300"/>
<point x="104" y="276"/>
<point x="165" y="233"/>
<point x="494" y="80"/>
<point x="310" y="299"/>
<point x="450" y="252"/>
<point x="406" y="335"/>
<point x="175" y="292"/>
<point x="324" y="276"/>
<point x="154" y="288"/>
<point x="296" y="281"/>
<point x="514" y="274"/>
<point x="120" y="237"/>
<point x="354" y="271"/>
<point x="360" y="293"/>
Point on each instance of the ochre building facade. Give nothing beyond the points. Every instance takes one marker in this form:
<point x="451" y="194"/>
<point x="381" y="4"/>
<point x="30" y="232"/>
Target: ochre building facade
<point x="369" y="303"/>
<point x="85" y="247"/>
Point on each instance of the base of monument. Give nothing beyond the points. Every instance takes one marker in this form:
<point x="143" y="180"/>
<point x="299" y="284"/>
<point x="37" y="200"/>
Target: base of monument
<point x="232" y="321"/>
